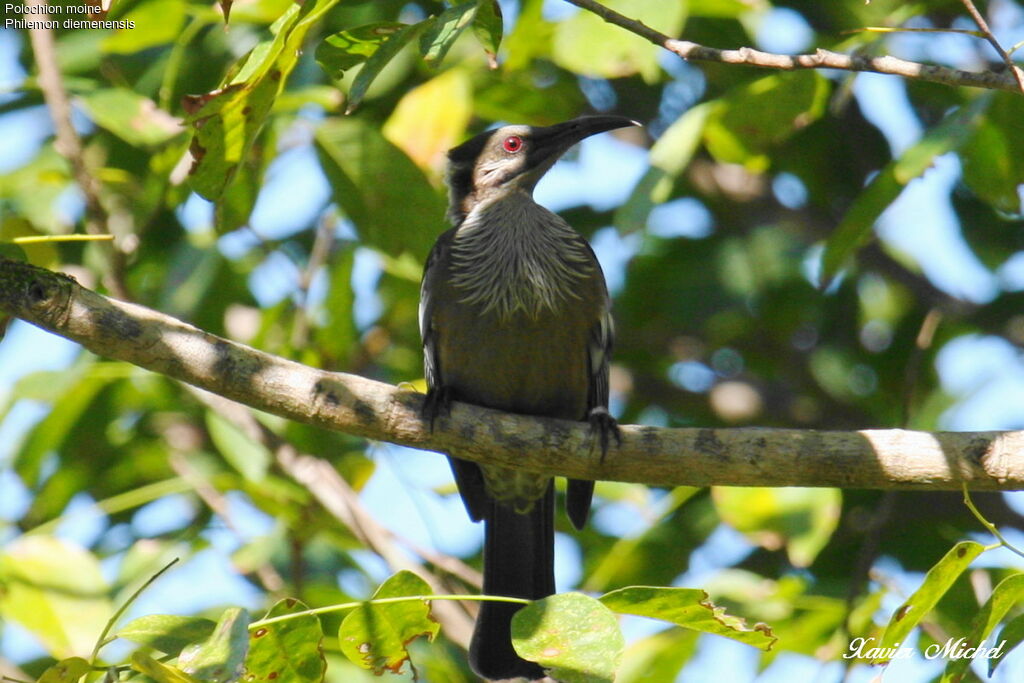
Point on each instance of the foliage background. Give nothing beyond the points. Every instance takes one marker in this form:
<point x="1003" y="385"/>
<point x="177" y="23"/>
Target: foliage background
<point x="711" y="225"/>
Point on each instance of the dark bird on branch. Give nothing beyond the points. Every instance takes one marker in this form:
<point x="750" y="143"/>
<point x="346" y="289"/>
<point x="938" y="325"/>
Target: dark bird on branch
<point x="515" y="315"/>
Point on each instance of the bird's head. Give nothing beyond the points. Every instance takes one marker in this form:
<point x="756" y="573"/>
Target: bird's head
<point x="514" y="158"/>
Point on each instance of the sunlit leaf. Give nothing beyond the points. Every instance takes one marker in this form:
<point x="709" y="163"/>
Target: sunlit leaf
<point x="687" y="607"/>
<point x="993" y="159"/>
<point x="1007" y="595"/>
<point x="66" y="671"/>
<point x="220" y="657"/>
<point x="936" y="582"/>
<point x="158" y="671"/>
<point x="574" y="636"/>
<point x="380" y="59"/>
<point x="157" y="22"/>
<point x="227" y="120"/>
<point x="286" y="650"/>
<point x="749" y="121"/>
<point x="444" y="30"/>
<point x="587" y="44"/>
<point x="393" y="206"/>
<point x="488" y="26"/>
<point x="55" y="590"/>
<point x="339" y="52"/>
<point x="431" y="118"/>
<point x="856" y="226"/>
<point x="168" y="633"/>
<point x="669" y="155"/>
<point x="1008" y="640"/>
<point x="249" y="457"/>
<point x="799" y="519"/>
<point x="375" y="636"/>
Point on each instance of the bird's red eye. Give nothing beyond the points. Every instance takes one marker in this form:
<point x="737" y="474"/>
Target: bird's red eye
<point x="512" y="144"/>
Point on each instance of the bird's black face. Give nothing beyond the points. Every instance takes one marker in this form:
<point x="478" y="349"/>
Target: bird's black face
<point x="515" y="157"/>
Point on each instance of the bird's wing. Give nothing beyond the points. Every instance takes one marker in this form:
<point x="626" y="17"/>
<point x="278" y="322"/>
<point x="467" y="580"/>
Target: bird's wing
<point x="438" y="254"/>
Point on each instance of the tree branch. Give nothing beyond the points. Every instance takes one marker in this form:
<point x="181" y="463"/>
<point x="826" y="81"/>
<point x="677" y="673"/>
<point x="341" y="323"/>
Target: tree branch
<point x="821" y="59"/>
<point x="879" y="459"/>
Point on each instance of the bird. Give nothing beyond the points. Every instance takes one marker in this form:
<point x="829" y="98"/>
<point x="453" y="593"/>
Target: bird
<point x="515" y="315"/>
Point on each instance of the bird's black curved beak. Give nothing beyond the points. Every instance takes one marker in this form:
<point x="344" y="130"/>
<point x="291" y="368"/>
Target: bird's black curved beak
<point x="548" y="143"/>
<point x="562" y="136"/>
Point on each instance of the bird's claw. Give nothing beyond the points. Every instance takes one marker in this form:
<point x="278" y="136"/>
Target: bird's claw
<point x="438" y="402"/>
<point x="604" y="426"/>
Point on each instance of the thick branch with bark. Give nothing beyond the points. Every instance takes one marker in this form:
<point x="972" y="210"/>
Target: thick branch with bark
<point x="878" y="459"/>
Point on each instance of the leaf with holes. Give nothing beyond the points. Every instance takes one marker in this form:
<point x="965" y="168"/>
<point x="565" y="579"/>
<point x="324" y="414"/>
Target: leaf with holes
<point x="375" y="636"/>
<point x="286" y="650"/>
<point x="689" y="608"/>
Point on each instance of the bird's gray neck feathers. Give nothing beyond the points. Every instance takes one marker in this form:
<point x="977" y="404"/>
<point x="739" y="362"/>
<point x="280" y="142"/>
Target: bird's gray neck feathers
<point x="512" y="255"/>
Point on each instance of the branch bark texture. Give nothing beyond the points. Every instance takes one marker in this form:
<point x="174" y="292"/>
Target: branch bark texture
<point x="821" y="59"/>
<point x="876" y="459"/>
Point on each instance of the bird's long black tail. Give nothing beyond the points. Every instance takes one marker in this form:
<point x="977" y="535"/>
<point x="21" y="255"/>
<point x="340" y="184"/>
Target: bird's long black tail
<point x="519" y="558"/>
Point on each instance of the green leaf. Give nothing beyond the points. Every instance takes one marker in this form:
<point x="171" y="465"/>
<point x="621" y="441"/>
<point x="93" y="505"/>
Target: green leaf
<point x="1007" y="640"/>
<point x="993" y="159"/>
<point x="51" y="432"/>
<point x="158" y="671"/>
<point x="443" y="30"/>
<point x="375" y="636"/>
<point x="55" y="590"/>
<point x="658" y="657"/>
<point x="380" y="59"/>
<point x="220" y="657"/>
<point x="572" y="635"/>
<point x="856" y="227"/>
<point x="341" y="51"/>
<point x="286" y="650"/>
<point x="751" y="120"/>
<point x="44" y="254"/>
<point x="488" y="27"/>
<point x="157" y="22"/>
<point x="13" y="252"/>
<point x="227" y="120"/>
<point x="250" y="458"/>
<point x="586" y="44"/>
<point x="394" y="208"/>
<point x="66" y="671"/>
<point x="1007" y="595"/>
<point x="687" y="607"/>
<point x="669" y="155"/>
<point x="801" y="519"/>
<point x="168" y="633"/>
<point x="130" y="116"/>
<point x="936" y="582"/>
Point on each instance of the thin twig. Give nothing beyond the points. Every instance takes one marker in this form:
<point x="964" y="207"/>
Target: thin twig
<point x="69" y="145"/>
<point x="821" y="59"/>
<point x="992" y="529"/>
<point x="994" y="42"/>
<point x="208" y="493"/>
<point x="322" y="245"/>
<point x="343" y="503"/>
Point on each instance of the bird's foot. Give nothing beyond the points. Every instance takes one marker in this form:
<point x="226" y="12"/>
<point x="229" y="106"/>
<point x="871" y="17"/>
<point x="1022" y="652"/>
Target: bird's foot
<point x="438" y="402"/>
<point x="605" y="427"/>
